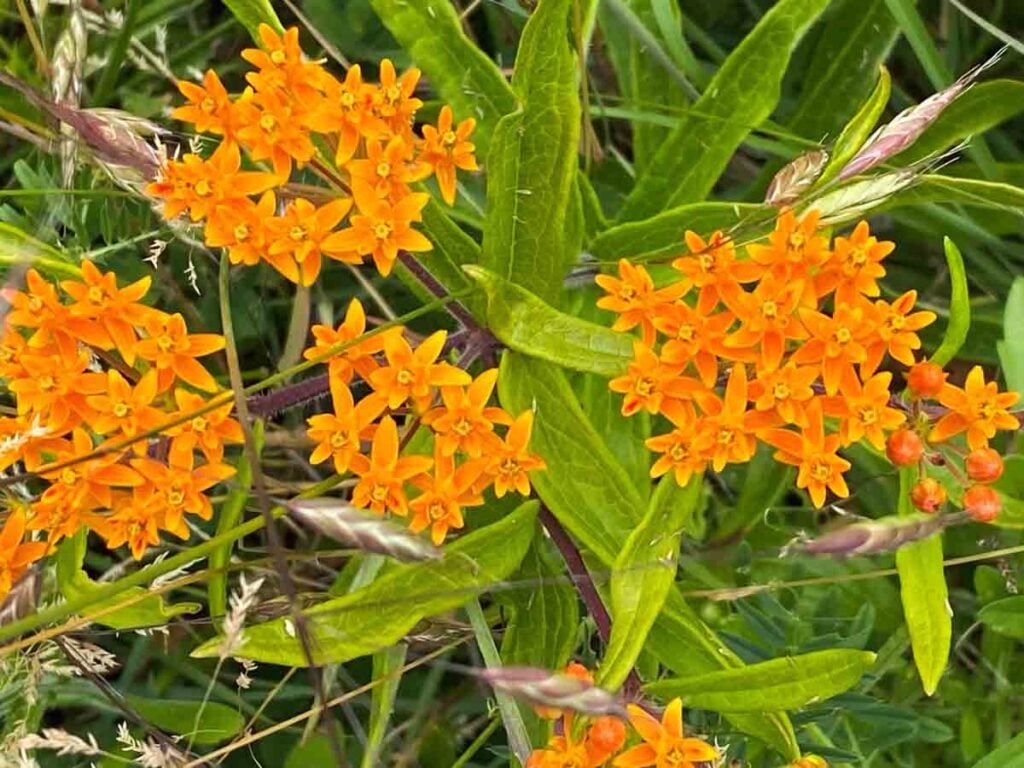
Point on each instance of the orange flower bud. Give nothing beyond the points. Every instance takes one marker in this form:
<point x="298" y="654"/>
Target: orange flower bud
<point x="607" y="734"/>
<point x="928" y="494"/>
<point x="904" y="447"/>
<point x="982" y="503"/>
<point x="984" y="465"/>
<point x="925" y="380"/>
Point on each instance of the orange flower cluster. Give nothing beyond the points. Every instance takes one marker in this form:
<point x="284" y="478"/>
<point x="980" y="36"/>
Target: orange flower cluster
<point x="663" y="743"/>
<point x="357" y="136"/>
<point x="90" y="366"/>
<point x="411" y="384"/>
<point x="796" y="331"/>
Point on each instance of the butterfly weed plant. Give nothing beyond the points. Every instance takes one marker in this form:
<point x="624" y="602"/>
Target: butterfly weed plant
<point x="649" y="401"/>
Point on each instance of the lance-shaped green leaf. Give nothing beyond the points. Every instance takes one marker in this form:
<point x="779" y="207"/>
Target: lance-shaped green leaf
<point x="1011" y="346"/>
<point x="1009" y="755"/>
<point x="387" y="674"/>
<point x="532" y="161"/>
<point x="593" y="497"/>
<point x="662" y="235"/>
<point x="381" y="613"/>
<point x="463" y="75"/>
<point x="643" y="574"/>
<point x="1005" y="617"/>
<point x="741" y="95"/>
<point x="925" y="597"/>
<point x="771" y="686"/>
<point x="959" y="306"/>
<point x="252" y="13"/>
<point x="74" y="583"/>
<point x="529" y="325"/>
<point x="216" y="722"/>
<point x="855" y="40"/>
<point x="18" y="248"/>
<point x="857" y="131"/>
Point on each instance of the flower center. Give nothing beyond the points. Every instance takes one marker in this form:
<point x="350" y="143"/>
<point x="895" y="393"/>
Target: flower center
<point x="47" y="383"/>
<point x="383" y="170"/>
<point x="120" y="410"/>
<point x="199" y="424"/>
<point x="726" y="436"/>
<point x="843" y="335"/>
<point x="868" y="414"/>
<point x="382" y="230"/>
<point x="770" y="310"/>
<point x="509" y="466"/>
<point x="95" y="294"/>
<point x="686" y="332"/>
<point x="69" y="476"/>
<point x="35" y="304"/>
<point x="796" y="242"/>
<point x="175" y="497"/>
<point x="462" y="427"/>
<point x="436" y="511"/>
<point x="241" y="233"/>
<point x="895" y="322"/>
<point x="858" y="256"/>
<point x="821" y="471"/>
<point x="208" y="105"/>
<point x="644" y="387"/>
<point x="678" y="453"/>
<point x="347" y="99"/>
<point x="164" y="342"/>
<point x="379" y="494"/>
<point x="278" y="56"/>
<point x="449" y="138"/>
<point x="707" y="261"/>
<point x="267" y="122"/>
<point x="339" y="440"/>
<point x="627" y="292"/>
<point x="392" y="93"/>
<point x="404" y="377"/>
<point x="203" y="188"/>
<point x="780" y="391"/>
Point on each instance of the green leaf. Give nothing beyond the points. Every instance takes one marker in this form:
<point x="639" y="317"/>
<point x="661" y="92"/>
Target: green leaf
<point x="859" y="128"/>
<point x="920" y="40"/>
<point x="925" y="596"/>
<point x="452" y="248"/>
<point x="662" y="235"/>
<point x="230" y="513"/>
<point x="1005" y="617"/>
<point x="771" y="686"/>
<point x="526" y="324"/>
<point x="462" y="74"/>
<point x="149" y="611"/>
<point x="959" y="306"/>
<point x="855" y="40"/>
<point x="19" y="248"/>
<point x="1010" y="755"/>
<point x="1011" y="347"/>
<point x="643" y="574"/>
<point x="380" y="614"/>
<point x="741" y="95"/>
<point x="764" y="483"/>
<point x="934" y="188"/>
<point x="387" y="665"/>
<point x="583" y="476"/>
<point x="532" y="161"/>
<point x="982" y="107"/>
<point x="252" y="13"/>
<point x="217" y="722"/>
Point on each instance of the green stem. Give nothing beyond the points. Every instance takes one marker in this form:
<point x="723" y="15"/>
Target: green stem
<point x="518" y="738"/>
<point x="477" y="744"/>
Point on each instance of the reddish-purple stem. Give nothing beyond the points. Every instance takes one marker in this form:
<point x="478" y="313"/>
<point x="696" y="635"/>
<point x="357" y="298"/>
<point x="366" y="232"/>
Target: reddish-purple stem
<point x="431" y="283"/>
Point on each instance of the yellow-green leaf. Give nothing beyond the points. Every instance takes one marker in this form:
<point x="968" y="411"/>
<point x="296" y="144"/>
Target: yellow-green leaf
<point x="252" y="13"/>
<point x="857" y="131"/>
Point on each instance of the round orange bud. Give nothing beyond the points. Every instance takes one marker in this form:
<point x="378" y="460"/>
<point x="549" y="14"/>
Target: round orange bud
<point x="928" y="494"/>
<point x="925" y="380"/>
<point x="607" y="734"/>
<point x="982" y="503"/>
<point x="904" y="447"/>
<point x="984" y="465"/>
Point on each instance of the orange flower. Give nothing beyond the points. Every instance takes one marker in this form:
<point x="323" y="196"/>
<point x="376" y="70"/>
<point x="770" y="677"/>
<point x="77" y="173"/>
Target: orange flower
<point x="836" y="343"/>
<point x="338" y="434"/>
<point x="383" y="475"/>
<point x="412" y="375"/>
<point x="133" y="522"/>
<point x="766" y="320"/>
<point x="386" y="172"/>
<point x="510" y="462"/>
<point x="677" y="455"/>
<point x="651" y="384"/>
<point x="12" y="346"/>
<point x="241" y="228"/>
<point x="174" y="351"/>
<point x="28" y="441"/>
<point x="358" y="358"/>
<point x="725" y="433"/>
<point x="347" y="109"/>
<point x="270" y="129"/>
<point x="793" y="250"/>
<point x="694" y="336"/>
<point x="979" y="409"/>
<point x="665" y="745"/>
<point x="281" y="65"/>
<point x="99" y="302"/>
<point x="445" y="149"/>
<point x="711" y="265"/>
<point x="209" y="106"/>
<point x="784" y="392"/>
<point x="896" y="331"/>
<point x="207" y="432"/>
<point x="864" y="411"/>
<point x="124" y="408"/>
<point x="381" y="229"/>
<point x="855" y="266"/>
<point x="633" y="298"/>
<point x="170" y="493"/>
<point x="814" y="453"/>
<point x="445" y="493"/>
<point x="38" y="308"/>
<point x="16" y="555"/>
<point x="465" y="422"/>
<point x="56" y="387"/>
<point x="301" y="235"/>
<point x="394" y="101"/>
